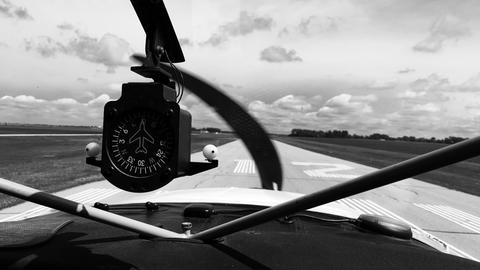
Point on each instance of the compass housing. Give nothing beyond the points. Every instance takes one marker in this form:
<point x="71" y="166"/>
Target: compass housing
<point x="146" y="138"/>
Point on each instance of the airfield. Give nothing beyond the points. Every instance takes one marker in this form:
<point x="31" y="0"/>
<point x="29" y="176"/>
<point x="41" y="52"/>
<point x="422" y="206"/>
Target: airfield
<point x="449" y="215"/>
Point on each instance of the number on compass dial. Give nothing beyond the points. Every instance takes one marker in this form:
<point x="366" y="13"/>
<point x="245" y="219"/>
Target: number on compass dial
<point x="140" y="144"/>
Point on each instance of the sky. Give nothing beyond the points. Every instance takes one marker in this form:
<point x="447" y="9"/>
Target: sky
<point x="399" y="67"/>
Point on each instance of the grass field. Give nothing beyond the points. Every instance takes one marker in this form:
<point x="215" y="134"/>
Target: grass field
<point x="45" y="129"/>
<point x="57" y="163"/>
<point x="463" y="176"/>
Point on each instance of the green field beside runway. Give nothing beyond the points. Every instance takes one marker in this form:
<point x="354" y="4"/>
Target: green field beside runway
<point x="57" y="163"/>
<point x="463" y="176"/>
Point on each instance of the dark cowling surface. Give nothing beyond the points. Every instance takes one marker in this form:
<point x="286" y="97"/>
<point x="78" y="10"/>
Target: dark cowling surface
<point x="303" y="244"/>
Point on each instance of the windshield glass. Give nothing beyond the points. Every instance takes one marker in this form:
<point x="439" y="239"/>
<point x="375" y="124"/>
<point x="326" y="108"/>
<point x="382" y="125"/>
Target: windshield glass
<point x="342" y="87"/>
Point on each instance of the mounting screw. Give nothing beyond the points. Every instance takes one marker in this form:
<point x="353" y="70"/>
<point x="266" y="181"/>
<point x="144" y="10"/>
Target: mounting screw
<point x="169" y="113"/>
<point x="108" y="170"/>
<point x="113" y="111"/>
<point x="187" y="228"/>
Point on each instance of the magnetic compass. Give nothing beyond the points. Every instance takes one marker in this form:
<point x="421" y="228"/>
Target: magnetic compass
<point x="146" y="138"/>
<point x="141" y="143"/>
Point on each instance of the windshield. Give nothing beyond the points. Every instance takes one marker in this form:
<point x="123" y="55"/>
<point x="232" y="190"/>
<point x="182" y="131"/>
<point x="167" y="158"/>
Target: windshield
<point x="342" y="87"/>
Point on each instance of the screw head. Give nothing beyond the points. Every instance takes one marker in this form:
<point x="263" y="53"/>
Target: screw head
<point x="113" y="111"/>
<point x="187" y="226"/>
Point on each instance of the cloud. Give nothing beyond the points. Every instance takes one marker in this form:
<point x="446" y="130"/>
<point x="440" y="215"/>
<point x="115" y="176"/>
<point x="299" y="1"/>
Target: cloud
<point x="406" y="71"/>
<point x="427" y="107"/>
<point x="45" y="46"/>
<point x="10" y="10"/>
<point x="433" y="106"/>
<point x="109" y="50"/>
<point x="284" y="113"/>
<point x="202" y="114"/>
<point x="66" y="26"/>
<point x="346" y="104"/>
<point x="430" y="89"/>
<point x="383" y="84"/>
<point x="311" y="26"/>
<point x="411" y="94"/>
<point x="471" y="85"/>
<point x="65" y="111"/>
<point x="245" y="24"/>
<point x="343" y="111"/>
<point x="446" y="28"/>
<point x="185" y="42"/>
<point x="3" y="45"/>
<point x="277" y="54"/>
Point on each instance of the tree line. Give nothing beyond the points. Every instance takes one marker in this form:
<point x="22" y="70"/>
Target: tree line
<point x="375" y="136"/>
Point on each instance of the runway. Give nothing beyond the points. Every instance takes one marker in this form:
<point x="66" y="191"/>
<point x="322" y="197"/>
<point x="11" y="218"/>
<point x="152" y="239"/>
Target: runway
<point x="446" y="214"/>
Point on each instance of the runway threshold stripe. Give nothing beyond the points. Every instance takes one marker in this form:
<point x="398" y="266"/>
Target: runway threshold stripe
<point x="244" y="166"/>
<point x="86" y="196"/>
<point x="37" y="209"/>
<point x="82" y="197"/>
<point x="369" y="207"/>
<point x="456" y="216"/>
<point x="450" y="218"/>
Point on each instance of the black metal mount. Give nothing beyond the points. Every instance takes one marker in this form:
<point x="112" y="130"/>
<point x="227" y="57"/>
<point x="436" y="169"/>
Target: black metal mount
<point x="161" y="43"/>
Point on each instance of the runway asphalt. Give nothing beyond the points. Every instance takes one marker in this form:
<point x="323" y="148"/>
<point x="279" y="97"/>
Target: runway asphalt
<point x="446" y="214"/>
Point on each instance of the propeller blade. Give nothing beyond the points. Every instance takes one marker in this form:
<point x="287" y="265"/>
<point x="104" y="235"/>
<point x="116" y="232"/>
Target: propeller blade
<point x="248" y="129"/>
<point x="141" y="59"/>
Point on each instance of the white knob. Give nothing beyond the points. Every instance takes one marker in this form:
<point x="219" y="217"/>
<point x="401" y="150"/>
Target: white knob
<point x="210" y="151"/>
<point x="92" y="149"/>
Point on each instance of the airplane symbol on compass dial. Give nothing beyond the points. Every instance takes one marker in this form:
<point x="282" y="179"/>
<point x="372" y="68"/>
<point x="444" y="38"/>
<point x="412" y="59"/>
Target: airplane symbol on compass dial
<point x="141" y="135"/>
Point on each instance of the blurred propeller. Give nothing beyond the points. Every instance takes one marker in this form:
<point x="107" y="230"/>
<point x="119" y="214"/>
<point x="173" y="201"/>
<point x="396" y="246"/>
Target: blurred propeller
<point x="248" y="129"/>
<point x="139" y="58"/>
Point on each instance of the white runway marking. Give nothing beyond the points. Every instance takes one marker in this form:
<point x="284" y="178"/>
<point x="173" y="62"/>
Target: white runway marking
<point x="461" y="218"/>
<point x="327" y="170"/>
<point x="244" y="166"/>
<point x="86" y="196"/>
<point x="368" y="207"/>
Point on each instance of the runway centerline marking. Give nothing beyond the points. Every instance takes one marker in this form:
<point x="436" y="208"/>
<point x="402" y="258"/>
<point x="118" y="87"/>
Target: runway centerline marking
<point x="454" y="215"/>
<point x="246" y="166"/>
<point x="327" y="170"/>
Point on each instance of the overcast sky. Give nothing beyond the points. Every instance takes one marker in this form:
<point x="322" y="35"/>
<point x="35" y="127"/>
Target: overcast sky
<point x="397" y="67"/>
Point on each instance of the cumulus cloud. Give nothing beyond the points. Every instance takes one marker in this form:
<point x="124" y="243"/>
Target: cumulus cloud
<point x="66" y="26"/>
<point x="109" y="50"/>
<point x="343" y="111"/>
<point x="446" y="28"/>
<point x="284" y="113"/>
<point x="45" y="46"/>
<point x="383" y="84"/>
<point x="245" y="24"/>
<point x="406" y="71"/>
<point x="311" y="26"/>
<point x="427" y="107"/>
<point x="471" y="85"/>
<point x="433" y="106"/>
<point x="429" y="89"/>
<point x="411" y="94"/>
<point x="277" y="54"/>
<point x="10" y="10"/>
<point x="202" y="114"/>
<point x="346" y="104"/>
<point x="68" y="111"/>
<point x="185" y="42"/>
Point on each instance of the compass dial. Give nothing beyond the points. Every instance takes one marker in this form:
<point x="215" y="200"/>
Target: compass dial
<point x="141" y="143"/>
